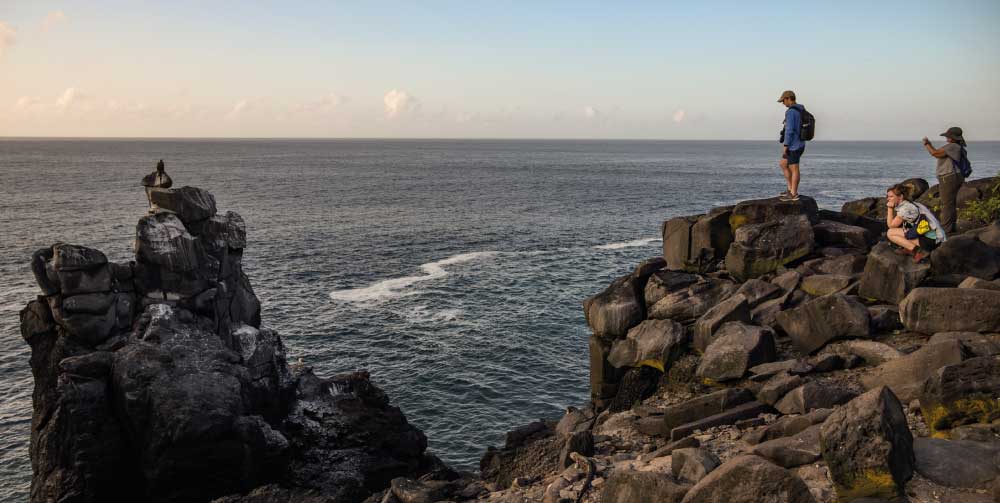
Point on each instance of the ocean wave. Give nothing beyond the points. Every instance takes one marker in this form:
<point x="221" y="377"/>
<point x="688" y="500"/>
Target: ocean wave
<point x="395" y="287"/>
<point x="628" y="244"/>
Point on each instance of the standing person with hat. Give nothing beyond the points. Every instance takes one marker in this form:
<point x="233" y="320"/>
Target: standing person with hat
<point x="949" y="179"/>
<point x="792" y="145"/>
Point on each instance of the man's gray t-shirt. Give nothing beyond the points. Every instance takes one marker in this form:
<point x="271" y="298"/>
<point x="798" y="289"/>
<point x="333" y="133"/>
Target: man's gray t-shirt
<point x="945" y="166"/>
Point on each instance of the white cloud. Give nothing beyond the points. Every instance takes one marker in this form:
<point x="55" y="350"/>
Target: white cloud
<point x="590" y="112"/>
<point x="53" y="18"/>
<point x="69" y="97"/>
<point x="398" y="103"/>
<point x="26" y="101"/>
<point x="7" y="37"/>
<point x="240" y="107"/>
<point x="679" y="115"/>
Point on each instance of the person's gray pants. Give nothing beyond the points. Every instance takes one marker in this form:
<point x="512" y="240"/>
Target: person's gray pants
<point x="948" y="186"/>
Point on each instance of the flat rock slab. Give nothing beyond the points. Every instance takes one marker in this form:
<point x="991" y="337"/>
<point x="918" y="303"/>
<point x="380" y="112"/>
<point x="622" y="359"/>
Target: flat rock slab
<point x="793" y="451"/>
<point x="933" y="310"/>
<point x="957" y="463"/>
<point x="906" y="375"/>
<point x="740" y="412"/>
<point x="694" y="409"/>
<point x="750" y="479"/>
<point x="812" y="396"/>
<point x="822" y="320"/>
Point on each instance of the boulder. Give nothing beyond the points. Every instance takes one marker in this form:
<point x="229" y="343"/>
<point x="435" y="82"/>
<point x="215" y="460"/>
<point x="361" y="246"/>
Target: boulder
<point x="965" y="256"/>
<point x="957" y="463"/>
<point x="767" y="370"/>
<point x="827" y="362"/>
<point x="982" y="284"/>
<point x="628" y="486"/>
<point x="656" y="343"/>
<point x="696" y="408"/>
<point x="787" y="426"/>
<point x="677" y="241"/>
<point x="889" y="277"/>
<point x="692" y="302"/>
<point x="761" y="248"/>
<point x="872" y="352"/>
<point x="851" y="264"/>
<point x="788" y="280"/>
<point x="756" y="291"/>
<point x="663" y="283"/>
<point x="162" y="239"/>
<point x="977" y="433"/>
<point x="692" y="464"/>
<point x="604" y="377"/>
<point x="611" y="313"/>
<point x="734" y="308"/>
<point x="792" y="451"/>
<point x="737" y="348"/>
<point x="769" y="210"/>
<point x="989" y="234"/>
<point x="190" y="204"/>
<point x="766" y="313"/>
<point x="711" y="236"/>
<point x="776" y="387"/>
<point x="813" y="395"/>
<point x="962" y="393"/>
<point x="819" y="321"/>
<point x="830" y="233"/>
<point x="221" y="231"/>
<point x="933" y="310"/>
<point x="865" y="207"/>
<point x="67" y="257"/>
<point x="906" y="375"/>
<point x="973" y="343"/>
<point x="917" y="187"/>
<point x="819" y="285"/>
<point x="868" y="447"/>
<point x="749" y="479"/>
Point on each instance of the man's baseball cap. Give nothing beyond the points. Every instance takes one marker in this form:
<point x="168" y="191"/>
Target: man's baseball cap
<point x="786" y="94"/>
<point x="954" y="132"/>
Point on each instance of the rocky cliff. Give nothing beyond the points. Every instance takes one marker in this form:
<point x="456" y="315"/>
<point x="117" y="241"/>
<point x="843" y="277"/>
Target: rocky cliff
<point x="778" y="352"/>
<point x="155" y="380"/>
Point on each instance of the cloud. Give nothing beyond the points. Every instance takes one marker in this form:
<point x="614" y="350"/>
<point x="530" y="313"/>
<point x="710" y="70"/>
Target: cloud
<point x="69" y="97"/>
<point x="398" y="103"/>
<point x="590" y="112"/>
<point x="26" y="102"/>
<point x="7" y="37"/>
<point x="679" y="115"/>
<point x="53" y="18"/>
<point x="240" y="107"/>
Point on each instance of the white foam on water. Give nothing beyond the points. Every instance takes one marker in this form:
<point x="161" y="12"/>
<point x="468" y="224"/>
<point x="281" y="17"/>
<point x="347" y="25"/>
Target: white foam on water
<point x="396" y="287"/>
<point x="628" y="244"/>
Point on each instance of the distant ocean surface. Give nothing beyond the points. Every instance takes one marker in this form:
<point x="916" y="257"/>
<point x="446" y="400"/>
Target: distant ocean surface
<point x="453" y="270"/>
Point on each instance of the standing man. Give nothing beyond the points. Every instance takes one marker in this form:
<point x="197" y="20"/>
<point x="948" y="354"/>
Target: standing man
<point x="949" y="179"/>
<point x="158" y="179"/>
<point x="792" y="145"/>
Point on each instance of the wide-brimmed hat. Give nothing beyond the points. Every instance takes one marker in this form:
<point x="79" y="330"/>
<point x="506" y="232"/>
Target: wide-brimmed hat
<point x="955" y="133"/>
<point x="787" y="94"/>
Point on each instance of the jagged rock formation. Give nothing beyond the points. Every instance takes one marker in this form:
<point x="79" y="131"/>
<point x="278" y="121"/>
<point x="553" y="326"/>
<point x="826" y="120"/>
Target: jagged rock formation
<point x="155" y="381"/>
<point x="780" y="352"/>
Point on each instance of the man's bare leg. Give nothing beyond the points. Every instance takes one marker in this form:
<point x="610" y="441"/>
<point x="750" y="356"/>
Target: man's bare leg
<point x="793" y="179"/>
<point x="788" y="174"/>
<point x="897" y="236"/>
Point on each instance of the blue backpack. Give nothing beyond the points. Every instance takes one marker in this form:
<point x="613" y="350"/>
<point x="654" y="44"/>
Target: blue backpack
<point x="962" y="165"/>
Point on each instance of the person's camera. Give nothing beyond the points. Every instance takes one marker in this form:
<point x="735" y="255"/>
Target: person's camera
<point x="781" y="136"/>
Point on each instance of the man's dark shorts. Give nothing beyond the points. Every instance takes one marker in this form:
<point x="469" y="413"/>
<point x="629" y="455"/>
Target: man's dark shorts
<point x="794" y="156"/>
<point x="925" y="242"/>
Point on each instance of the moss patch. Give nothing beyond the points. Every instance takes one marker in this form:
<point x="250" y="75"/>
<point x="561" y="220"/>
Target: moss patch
<point x="656" y="364"/>
<point x="868" y="483"/>
<point x="974" y="409"/>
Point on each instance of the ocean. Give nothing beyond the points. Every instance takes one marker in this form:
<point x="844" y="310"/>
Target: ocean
<point x="453" y="270"/>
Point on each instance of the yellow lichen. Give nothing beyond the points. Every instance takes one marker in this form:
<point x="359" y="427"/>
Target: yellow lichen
<point x="737" y="221"/>
<point x="942" y="417"/>
<point x="868" y="483"/>
<point x="656" y="364"/>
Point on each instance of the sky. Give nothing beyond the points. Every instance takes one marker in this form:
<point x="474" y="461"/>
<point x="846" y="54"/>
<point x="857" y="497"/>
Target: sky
<point x="477" y="69"/>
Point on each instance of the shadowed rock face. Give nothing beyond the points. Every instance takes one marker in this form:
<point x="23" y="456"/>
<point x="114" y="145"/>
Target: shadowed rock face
<point x="154" y="380"/>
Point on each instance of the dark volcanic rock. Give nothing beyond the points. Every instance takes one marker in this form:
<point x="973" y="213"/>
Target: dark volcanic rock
<point x="793" y="451"/>
<point x="889" y="277"/>
<point x="906" y="375"/>
<point x="811" y="396"/>
<point x="692" y="464"/>
<point x="868" y="447"/>
<point x="692" y="302"/>
<point x="694" y="409"/>
<point x="663" y="283"/>
<point x="761" y="248"/>
<point x="933" y="310"/>
<point x="750" y="479"/>
<point x="963" y="393"/>
<point x="733" y="309"/>
<point x="611" y="313"/>
<point x="626" y="486"/>
<point x="965" y="256"/>
<point x="756" y="291"/>
<point x="822" y="320"/>
<point x="957" y="463"/>
<point x="830" y="233"/>
<point x="677" y="241"/>
<point x="737" y="348"/>
<point x="656" y="343"/>
<point x="191" y="204"/>
<point x="768" y="210"/>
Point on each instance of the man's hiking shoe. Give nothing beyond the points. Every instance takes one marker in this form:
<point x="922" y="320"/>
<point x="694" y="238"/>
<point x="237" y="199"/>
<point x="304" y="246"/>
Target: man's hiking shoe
<point x="785" y="193"/>
<point x="903" y="251"/>
<point x="920" y="256"/>
<point x="790" y="197"/>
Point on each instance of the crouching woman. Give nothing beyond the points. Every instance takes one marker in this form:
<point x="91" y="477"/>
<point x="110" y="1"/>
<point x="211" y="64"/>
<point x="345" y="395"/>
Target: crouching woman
<point x="912" y="226"/>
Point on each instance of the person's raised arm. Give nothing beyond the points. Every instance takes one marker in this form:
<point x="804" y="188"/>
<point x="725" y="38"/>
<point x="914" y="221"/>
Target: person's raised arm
<point x="935" y="152"/>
